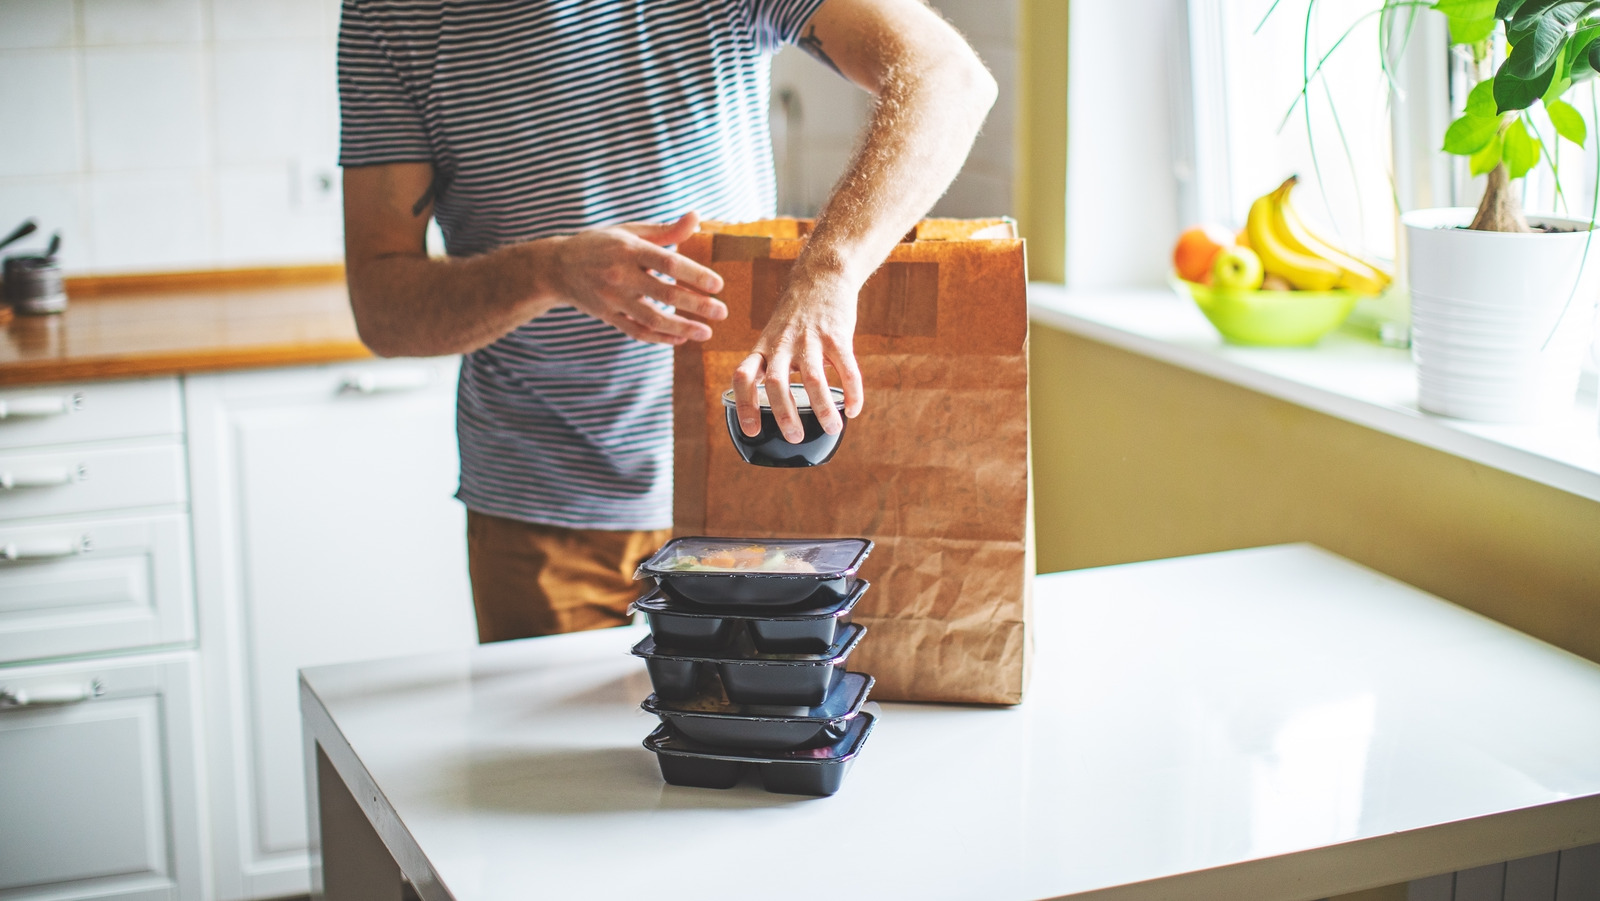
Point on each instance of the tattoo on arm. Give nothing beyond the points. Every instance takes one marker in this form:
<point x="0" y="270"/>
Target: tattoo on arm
<point x="810" y="43"/>
<point x="436" y="188"/>
<point x="426" y="200"/>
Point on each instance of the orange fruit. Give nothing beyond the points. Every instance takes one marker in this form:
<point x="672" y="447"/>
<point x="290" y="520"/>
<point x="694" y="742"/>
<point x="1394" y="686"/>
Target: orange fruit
<point x="1197" y="249"/>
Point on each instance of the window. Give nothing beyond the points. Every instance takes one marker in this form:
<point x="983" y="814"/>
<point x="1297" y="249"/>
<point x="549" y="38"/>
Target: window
<point x="1359" y="145"/>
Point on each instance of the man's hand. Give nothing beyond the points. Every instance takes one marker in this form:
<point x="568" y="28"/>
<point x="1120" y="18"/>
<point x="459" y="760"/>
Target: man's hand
<point x="932" y="93"/>
<point x="614" y="274"/>
<point x="407" y="304"/>
<point x="814" y="324"/>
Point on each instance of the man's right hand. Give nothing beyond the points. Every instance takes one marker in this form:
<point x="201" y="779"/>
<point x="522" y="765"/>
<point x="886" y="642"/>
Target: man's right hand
<point x="409" y="305"/>
<point x="615" y="273"/>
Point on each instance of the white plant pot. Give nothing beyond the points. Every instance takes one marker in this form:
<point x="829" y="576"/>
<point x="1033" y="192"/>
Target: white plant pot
<point x="1500" y="322"/>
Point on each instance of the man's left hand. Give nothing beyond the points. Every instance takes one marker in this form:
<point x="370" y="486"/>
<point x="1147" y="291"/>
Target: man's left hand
<point x="813" y="327"/>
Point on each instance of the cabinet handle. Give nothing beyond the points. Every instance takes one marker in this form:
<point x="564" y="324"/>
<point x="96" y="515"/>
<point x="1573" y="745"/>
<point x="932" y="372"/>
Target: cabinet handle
<point x="52" y="695"/>
<point x="52" y="477"/>
<point x="39" y="406"/>
<point x="44" y="549"/>
<point x="385" y="381"/>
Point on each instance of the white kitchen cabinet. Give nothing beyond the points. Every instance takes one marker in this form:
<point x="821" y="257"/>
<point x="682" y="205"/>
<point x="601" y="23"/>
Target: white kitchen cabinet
<point x="82" y="586"/>
<point x="84" y="478"/>
<point x="99" y="780"/>
<point x="325" y="530"/>
<point x="90" y="411"/>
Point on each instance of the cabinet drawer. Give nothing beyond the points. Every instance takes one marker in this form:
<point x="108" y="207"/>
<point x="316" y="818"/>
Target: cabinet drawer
<point x="91" y="411"/>
<point x="84" y="480"/>
<point x="98" y="798"/>
<point x="94" y="585"/>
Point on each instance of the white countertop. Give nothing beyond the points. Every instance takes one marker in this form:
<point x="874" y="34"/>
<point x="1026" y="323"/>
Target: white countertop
<point x="1346" y="376"/>
<point x="1269" y="723"/>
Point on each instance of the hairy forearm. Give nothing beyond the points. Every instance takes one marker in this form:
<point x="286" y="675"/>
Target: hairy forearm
<point x="922" y="126"/>
<point x="411" y="305"/>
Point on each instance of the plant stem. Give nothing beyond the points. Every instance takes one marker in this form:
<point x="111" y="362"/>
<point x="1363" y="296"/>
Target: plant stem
<point x="1499" y="210"/>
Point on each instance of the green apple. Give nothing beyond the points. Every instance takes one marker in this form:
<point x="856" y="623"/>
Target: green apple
<point x="1237" y="269"/>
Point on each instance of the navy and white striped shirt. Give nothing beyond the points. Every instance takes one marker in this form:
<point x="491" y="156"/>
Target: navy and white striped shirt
<point x="544" y="117"/>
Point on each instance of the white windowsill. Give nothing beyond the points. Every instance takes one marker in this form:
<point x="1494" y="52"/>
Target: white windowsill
<point x="1345" y="376"/>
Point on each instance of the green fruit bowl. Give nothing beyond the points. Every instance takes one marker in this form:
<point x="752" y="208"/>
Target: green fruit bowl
<point x="1270" y="318"/>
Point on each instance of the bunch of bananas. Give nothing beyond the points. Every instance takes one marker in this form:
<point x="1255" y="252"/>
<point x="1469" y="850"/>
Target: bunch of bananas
<point x="1291" y="251"/>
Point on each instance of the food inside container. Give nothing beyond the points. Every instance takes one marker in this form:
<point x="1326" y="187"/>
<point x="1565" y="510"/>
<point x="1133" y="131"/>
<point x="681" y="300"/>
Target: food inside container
<point x="749" y="677"/>
<point x="805" y="631"/>
<point x="813" y="771"/>
<point x="711" y="719"/>
<point x="743" y="572"/>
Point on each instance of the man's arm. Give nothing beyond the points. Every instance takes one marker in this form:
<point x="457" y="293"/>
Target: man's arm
<point x="932" y="95"/>
<point x="407" y="304"/>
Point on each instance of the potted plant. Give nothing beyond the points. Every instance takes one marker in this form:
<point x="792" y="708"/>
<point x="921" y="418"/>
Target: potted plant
<point x="1503" y="303"/>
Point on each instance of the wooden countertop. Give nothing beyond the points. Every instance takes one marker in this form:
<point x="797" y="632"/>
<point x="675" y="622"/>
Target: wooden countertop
<point x="186" y="322"/>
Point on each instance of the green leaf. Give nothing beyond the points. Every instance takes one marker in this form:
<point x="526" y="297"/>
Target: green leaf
<point x="1470" y="31"/>
<point x="1467" y="9"/>
<point x="1513" y="93"/>
<point x="1520" y="150"/>
<point x="1470" y="20"/>
<point x="1557" y="87"/>
<point x="1469" y="134"/>
<point x="1581" y="68"/>
<point x="1567" y="120"/>
<point x="1578" y="46"/>
<point x="1546" y="14"/>
<point x="1487" y="158"/>
<point x="1536" y="44"/>
<point x="1480" y="100"/>
<point x="1506" y="8"/>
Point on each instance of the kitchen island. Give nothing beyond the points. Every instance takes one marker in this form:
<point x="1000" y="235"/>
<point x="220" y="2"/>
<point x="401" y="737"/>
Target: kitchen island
<point x="1272" y="723"/>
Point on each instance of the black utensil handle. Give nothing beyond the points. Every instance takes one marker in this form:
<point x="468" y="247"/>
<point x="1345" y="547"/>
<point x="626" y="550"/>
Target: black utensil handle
<point x="27" y="228"/>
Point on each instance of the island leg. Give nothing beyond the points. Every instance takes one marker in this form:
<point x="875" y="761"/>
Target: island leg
<point x="354" y="865"/>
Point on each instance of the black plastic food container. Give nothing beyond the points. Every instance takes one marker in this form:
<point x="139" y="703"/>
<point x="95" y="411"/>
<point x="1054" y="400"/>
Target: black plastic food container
<point x="792" y="680"/>
<point x="676" y="624"/>
<point x="710" y="719"/>
<point x="815" y="771"/>
<point x="739" y="572"/>
<point x="770" y="448"/>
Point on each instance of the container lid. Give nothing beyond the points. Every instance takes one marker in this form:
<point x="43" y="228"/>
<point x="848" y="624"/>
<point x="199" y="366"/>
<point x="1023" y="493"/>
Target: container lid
<point x="742" y="651"/>
<point x="798" y="393"/>
<point x="843" y="702"/>
<point x="664" y="741"/>
<point x="657" y="602"/>
<point x="788" y="558"/>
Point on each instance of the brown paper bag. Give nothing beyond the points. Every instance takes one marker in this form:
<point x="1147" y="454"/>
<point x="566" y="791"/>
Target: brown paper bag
<point x="935" y="470"/>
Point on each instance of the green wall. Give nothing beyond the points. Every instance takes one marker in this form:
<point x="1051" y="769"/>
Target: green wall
<point x="1136" y="459"/>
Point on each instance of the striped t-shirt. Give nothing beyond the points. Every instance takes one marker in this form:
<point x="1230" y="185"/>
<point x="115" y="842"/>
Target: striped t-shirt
<point x="544" y="117"/>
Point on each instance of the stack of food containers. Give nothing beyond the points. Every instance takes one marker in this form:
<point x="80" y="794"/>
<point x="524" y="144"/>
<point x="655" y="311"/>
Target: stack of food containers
<point x="746" y="653"/>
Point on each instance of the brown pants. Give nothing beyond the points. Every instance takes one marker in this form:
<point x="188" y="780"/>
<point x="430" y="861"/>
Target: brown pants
<point x="530" y="579"/>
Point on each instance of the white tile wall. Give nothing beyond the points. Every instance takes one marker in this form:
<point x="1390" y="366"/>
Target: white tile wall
<point x="145" y="107"/>
<point x="251" y="20"/>
<point x="169" y="134"/>
<point x="124" y="22"/>
<point x="37" y="23"/>
<point x="150" y="220"/>
<point x="36" y="107"/>
<point x="276" y="100"/>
